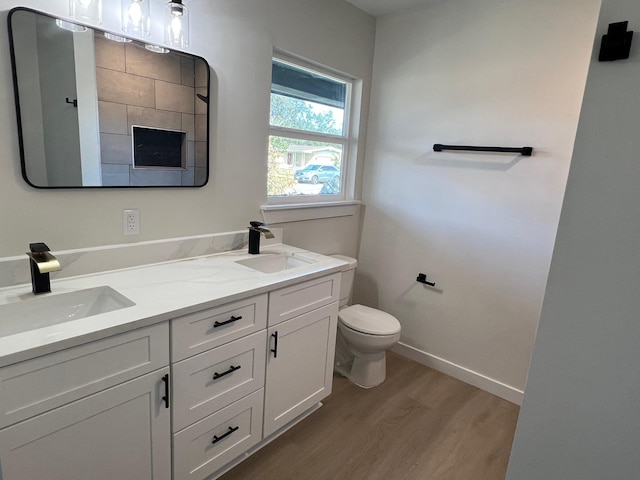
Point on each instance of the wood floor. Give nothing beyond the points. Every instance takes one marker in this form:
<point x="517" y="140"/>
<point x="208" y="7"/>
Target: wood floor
<point x="418" y="425"/>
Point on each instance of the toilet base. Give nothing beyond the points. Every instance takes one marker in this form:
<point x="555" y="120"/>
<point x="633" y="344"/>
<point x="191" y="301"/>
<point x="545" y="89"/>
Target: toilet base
<point x="366" y="371"/>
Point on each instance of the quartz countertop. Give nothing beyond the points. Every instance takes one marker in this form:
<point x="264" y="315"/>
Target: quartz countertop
<point x="160" y="291"/>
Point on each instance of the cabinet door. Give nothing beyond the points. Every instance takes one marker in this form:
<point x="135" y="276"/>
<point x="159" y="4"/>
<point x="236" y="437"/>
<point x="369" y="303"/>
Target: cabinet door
<point x="119" y="433"/>
<point x="299" y="365"/>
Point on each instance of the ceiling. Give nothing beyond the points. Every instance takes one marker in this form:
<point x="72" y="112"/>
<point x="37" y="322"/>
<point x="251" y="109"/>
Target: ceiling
<point x="383" y="7"/>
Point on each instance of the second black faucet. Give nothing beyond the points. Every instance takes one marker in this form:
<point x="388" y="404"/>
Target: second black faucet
<point x="255" y="230"/>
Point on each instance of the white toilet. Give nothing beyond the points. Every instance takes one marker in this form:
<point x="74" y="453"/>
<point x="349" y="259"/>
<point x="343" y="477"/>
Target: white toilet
<point x="364" y="335"/>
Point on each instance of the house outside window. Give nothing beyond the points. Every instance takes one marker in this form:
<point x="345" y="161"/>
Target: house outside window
<point x="309" y="134"/>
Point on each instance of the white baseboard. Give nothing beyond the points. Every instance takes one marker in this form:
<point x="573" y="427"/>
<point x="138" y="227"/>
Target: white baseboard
<point x="463" y="374"/>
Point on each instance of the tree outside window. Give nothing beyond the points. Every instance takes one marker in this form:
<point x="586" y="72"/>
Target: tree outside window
<point x="307" y="142"/>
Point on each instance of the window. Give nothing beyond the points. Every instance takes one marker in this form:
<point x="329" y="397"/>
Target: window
<point x="308" y="141"/>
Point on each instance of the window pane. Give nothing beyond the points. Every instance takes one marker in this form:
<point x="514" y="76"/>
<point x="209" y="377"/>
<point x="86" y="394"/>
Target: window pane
<point x="303" y="167"/>
<point x="305" y="115"/>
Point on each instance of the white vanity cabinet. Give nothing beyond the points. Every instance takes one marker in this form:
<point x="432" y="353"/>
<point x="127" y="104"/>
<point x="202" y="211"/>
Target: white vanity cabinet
<point x="302" y="336"/>
<point x="218" y="374"/>
<point x="92" y="411"/>
<point x="246" y="370"/>
<point x="184" y="399"/>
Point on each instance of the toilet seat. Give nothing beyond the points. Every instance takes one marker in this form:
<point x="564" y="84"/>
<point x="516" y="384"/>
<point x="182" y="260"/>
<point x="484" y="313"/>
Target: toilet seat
<point x="369" y="320"/>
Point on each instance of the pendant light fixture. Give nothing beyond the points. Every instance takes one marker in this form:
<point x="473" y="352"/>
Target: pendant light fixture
<point x="176" y="24"/>
<point x="135" y="17"/>
<point x="86" y="10"/>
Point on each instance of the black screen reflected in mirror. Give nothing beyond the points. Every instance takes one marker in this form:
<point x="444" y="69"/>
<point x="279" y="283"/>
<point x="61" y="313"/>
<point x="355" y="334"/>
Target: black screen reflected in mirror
<point x="83" y="97"/>
<point x="158" y="148"/>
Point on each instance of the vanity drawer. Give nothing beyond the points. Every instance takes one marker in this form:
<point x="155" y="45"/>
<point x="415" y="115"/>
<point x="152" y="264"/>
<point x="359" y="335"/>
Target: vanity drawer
<point x="201" y="331"/>
<point x="295" y="300"/>
<point x="210" y="444"/>
<point x="212" y="380"/>
<point x="43" y="383"/>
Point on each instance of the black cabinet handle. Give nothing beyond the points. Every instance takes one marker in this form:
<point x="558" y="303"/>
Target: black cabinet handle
<point x="274" y="350"/>
<point x="165" y="399"/>
<point x="231" y="320"/>
<point x="232" y="369"/>
<point x="216" y="438"/>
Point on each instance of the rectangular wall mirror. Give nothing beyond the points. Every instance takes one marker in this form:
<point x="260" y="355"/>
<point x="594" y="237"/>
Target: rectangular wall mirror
<point x="89" y="102"/>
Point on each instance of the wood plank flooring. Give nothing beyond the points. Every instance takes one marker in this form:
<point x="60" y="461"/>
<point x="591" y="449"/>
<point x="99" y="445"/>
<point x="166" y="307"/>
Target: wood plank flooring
<point x="418" y="425"/>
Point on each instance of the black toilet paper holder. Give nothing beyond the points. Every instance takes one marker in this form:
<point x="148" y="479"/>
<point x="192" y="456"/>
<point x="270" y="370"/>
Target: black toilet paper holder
<point x="422" y="278"/>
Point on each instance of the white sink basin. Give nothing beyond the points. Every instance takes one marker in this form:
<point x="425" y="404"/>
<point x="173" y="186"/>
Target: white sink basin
<point x="52" y="309"/>
<point x="276" y="262"/>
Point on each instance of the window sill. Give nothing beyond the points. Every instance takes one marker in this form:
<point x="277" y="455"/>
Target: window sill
<point x="308" y="211"/>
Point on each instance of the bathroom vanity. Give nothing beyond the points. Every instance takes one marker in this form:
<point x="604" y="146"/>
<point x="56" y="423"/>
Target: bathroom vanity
<point x="218" y="356"/>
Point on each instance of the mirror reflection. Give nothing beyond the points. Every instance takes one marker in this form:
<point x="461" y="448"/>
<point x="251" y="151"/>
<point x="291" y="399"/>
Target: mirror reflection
<point x="99" y="110"/>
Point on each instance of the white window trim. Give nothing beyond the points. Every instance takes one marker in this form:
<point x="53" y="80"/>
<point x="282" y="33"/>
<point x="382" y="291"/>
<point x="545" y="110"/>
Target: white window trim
<point x="349" y="153"/>
<point x="287" y="213"/>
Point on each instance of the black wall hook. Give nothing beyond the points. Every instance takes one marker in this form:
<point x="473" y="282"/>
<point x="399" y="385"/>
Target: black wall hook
<point x="422" y="278"/>
<point x="616" y="44"/>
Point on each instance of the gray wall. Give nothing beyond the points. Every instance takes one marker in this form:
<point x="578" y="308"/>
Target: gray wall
<point x="482" y="226"/>
<point x="580" y="419"/>
<point x="139" y="87"/>
<point x="237" y="38"/>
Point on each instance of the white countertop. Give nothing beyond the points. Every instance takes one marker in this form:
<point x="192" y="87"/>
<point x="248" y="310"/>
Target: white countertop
<point x="160" y="292"/>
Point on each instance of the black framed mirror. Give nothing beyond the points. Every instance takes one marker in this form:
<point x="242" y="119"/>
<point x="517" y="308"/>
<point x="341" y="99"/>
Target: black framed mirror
<point x="96" y="109"/>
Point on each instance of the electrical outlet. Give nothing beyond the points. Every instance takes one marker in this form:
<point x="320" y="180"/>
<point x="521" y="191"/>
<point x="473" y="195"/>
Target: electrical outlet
<point x="131" y="222"/>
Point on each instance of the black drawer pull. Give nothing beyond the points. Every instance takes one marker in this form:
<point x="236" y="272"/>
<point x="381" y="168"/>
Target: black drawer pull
<point x="165" y="399"/>
<point x="232" y="369"/>
<point x="274" y="350"/>
<point x="231" y="320"/>
<point x="216" y="438"/>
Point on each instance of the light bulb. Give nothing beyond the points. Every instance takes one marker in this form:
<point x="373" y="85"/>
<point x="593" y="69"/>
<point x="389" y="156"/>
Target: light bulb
<point x="135" y="17"/>
<point x="134" y="12"/>
<point x="176" y="26"/>
<point x="86" y="10"/>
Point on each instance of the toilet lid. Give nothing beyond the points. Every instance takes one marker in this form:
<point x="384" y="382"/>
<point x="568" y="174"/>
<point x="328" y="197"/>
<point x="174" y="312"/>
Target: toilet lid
<point x="369" y="320"/>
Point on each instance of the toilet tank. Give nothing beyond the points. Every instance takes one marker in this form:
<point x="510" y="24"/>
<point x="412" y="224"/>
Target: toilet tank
<point x="346" y="280"/>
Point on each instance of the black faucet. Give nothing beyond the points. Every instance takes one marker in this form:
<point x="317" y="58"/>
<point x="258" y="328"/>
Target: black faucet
<point x="42" y="262"/>
<point x="255" y="230"/>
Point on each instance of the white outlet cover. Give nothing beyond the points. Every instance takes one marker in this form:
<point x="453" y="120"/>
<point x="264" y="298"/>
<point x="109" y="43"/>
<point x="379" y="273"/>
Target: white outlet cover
<point x="131" y="222"/>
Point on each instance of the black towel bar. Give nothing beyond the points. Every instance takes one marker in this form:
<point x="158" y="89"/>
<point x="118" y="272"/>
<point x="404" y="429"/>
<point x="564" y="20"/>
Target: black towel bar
<point x="524" y="151"/>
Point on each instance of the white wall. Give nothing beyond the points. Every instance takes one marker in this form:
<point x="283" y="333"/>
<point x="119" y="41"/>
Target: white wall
<point x="88" y="116"/>
<point x="237" y="39"/>
<point x="580" y="418"/>
<point x="497" y="72"/>
<point x="327" y="235"/>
